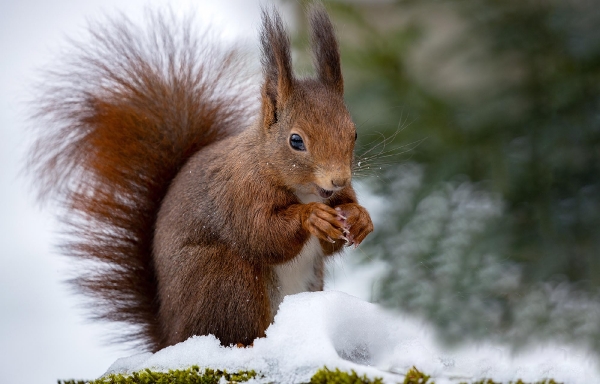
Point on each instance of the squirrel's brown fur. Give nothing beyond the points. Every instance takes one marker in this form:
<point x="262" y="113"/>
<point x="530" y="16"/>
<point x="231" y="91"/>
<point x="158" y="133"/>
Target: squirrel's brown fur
<point x="199" y="217"/>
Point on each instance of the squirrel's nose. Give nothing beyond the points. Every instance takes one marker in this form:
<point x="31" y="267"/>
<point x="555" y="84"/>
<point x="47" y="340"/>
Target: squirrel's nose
<point x="340" y="182"/>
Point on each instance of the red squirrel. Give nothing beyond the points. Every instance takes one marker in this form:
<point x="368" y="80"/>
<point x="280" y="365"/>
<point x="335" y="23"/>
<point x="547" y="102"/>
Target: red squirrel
<point x="197" y="215"/>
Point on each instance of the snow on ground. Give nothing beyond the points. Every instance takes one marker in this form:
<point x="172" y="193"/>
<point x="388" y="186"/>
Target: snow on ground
<point x="334" y="329"/>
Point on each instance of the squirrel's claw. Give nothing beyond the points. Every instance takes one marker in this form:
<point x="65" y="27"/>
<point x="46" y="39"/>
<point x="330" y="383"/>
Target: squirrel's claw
<point x="340" y="216"/>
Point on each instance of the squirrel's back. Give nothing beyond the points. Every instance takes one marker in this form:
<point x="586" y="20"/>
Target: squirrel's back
<point x="117" y="123"/>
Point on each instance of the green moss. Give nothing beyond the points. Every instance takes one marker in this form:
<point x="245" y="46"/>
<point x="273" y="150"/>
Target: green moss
<point x="189" y="376"/>
<point x="414" y="376"/>
<point x="325" y="376"/>
<point x="193" y="375"/>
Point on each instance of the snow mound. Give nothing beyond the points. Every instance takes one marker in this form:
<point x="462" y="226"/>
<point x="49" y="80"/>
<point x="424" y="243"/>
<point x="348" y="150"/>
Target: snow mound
<point x="333" y="329"/>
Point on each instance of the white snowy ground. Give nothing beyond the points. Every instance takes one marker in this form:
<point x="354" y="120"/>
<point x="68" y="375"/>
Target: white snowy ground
<point x="334" y="329"/>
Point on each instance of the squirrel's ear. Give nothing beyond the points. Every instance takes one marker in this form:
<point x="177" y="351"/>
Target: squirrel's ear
<point x="325" y="49"/>
<point x="276" y="64"/>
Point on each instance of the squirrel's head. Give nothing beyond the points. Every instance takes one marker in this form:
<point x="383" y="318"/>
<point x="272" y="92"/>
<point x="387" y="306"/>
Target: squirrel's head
<point x="309" y="135"/>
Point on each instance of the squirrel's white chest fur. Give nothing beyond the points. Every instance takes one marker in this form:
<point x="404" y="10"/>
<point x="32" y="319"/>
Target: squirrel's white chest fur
<point x="301" y="274"/>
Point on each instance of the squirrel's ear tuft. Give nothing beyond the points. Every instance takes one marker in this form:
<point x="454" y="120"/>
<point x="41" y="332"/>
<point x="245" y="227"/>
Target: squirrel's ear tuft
<point x="276" y="64"/>
<point x="325" y="49"/>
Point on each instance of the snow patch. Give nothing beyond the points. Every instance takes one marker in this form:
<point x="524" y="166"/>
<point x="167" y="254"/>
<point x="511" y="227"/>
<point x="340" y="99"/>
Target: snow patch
<point x="334" y="329"/>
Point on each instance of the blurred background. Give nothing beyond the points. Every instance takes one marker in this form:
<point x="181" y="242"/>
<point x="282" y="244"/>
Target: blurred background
<point x="478" y="155"/>
<point x="479" y="128"/>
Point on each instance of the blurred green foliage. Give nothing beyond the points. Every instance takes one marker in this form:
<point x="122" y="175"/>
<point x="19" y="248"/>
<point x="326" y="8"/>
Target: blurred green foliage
<point x="479" y="125"/>
<point x="534" y="139"/>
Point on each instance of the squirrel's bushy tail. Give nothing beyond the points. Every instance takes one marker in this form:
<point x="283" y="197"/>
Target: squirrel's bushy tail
<point x="118" y="118"/>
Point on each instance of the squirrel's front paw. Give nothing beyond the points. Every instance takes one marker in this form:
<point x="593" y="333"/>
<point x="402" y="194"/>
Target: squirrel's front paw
<point x="357" y="222"/>
<point x="324" y="222"/>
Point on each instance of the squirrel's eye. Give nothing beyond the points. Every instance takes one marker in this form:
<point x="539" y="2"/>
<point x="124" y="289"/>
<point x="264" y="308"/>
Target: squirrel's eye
<point x="297" y="143"/>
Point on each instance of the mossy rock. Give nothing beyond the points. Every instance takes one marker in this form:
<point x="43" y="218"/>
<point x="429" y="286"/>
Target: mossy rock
<point x="325" y="376"/>
<point x="193" y="375"/>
